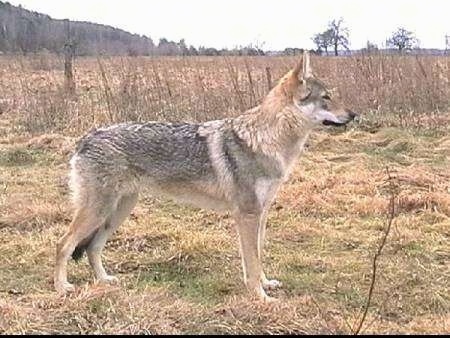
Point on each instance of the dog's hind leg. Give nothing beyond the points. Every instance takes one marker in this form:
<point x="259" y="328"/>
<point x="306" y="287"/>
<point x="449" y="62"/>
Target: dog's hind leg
<point x="82" y="228"/>
<point x="91" y="214"/>
<point x="96" y="245"/>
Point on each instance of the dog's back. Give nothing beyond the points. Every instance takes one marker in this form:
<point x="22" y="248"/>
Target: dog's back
<point x="122" y="156"/>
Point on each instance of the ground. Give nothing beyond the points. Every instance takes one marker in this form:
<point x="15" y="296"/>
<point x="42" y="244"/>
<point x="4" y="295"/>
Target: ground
<point x="179" y="267"/>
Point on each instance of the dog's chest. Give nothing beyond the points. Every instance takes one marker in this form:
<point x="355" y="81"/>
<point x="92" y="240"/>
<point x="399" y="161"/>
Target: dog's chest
<point x="290" y="155"/>
<point x="266" y="189"/>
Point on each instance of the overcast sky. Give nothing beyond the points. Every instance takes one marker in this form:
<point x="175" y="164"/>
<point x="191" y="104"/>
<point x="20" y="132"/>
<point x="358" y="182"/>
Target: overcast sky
<point x="276" y="23"/>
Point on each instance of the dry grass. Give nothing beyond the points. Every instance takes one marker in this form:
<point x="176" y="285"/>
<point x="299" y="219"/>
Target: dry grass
<point x="389" y="90"/>
<point x="180" y="270"/>
<point x="179" y="267"/>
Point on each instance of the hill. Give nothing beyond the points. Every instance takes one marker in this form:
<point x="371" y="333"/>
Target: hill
<point x="24" y="31"/>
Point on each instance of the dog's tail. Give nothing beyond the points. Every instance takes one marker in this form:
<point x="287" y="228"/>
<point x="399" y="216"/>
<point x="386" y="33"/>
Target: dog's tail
<point x="83" y="245"/>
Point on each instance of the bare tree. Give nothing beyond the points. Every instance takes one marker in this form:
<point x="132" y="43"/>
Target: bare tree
<point x="69" y="54"/>
<point x="323" y="41"/>
<point x="335" y="36"/>
<point x="339" y="35"/>
<point x="402" y="39"/>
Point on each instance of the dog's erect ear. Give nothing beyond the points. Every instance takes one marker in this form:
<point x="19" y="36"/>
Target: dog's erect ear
<point x="298" y="69"/>
<point x="303" y="68"/>
<point x="307" y="71"/>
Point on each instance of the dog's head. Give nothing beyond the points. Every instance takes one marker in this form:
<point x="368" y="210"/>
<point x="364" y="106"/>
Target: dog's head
<point x="309" y="96"/>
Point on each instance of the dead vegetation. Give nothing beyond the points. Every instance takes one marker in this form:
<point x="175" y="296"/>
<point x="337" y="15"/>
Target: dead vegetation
<point x="391" y="90"/>
<point x="179" y="267"/>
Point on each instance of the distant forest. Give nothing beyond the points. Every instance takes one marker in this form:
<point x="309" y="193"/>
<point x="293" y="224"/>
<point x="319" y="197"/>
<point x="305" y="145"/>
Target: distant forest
<point x="24" y="31"/>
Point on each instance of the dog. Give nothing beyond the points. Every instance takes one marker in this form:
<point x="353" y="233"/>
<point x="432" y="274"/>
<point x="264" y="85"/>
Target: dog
<point x="231" y="165"/>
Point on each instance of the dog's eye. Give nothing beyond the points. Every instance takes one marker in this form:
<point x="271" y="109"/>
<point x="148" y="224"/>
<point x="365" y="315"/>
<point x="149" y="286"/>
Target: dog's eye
<point x="326" y="97"/>
<point x="306" y="96"/>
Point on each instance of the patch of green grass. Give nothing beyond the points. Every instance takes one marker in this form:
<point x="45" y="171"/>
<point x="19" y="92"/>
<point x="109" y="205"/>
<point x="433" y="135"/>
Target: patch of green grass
<point x="199" y="281"/>
<point x="351" y="297"/>
<point x="300" y="279"/>
<point x="404" y="147"/>
<point x="397" y="152"/>
<point x="18" y="157"/>
<point x="99" y="307"/>
<point x="413" y="249"/>
<point x="439" y="160"/>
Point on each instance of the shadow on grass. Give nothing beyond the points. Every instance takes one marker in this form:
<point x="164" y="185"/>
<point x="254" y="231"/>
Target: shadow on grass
<point x="198" y="279"/>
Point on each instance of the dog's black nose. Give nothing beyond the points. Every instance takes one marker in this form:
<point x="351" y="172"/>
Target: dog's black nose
<point x="351" y="114"/>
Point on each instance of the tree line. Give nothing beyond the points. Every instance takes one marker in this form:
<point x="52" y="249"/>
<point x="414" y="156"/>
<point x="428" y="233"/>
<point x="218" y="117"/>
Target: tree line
<point x="24" y="31"/>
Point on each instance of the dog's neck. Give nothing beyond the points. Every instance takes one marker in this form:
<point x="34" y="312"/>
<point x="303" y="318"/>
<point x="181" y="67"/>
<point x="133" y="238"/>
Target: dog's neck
<point x="276" y="127"/>
<point x="280" y="134"/>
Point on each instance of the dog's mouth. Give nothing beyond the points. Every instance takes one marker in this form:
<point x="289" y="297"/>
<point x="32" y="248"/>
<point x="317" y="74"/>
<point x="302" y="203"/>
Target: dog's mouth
<point x="342" y="121"/>
<point x="332" y="123"/>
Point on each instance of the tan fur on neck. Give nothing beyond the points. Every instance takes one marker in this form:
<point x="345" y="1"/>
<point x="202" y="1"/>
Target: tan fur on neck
<point x="270" y="126"/>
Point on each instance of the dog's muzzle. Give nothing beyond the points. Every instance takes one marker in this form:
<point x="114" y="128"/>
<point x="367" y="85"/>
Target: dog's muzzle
<point x="341" y="120"/>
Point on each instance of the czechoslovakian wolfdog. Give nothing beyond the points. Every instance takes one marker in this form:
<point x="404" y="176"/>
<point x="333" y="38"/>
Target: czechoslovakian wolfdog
<point x="235" y="164"/>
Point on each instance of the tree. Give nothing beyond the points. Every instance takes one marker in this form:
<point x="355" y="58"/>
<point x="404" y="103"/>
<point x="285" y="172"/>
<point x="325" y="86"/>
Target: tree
<point x="192" y="50"/>
<point x="370" y="48"/>
<point x="69" y="54"/>
<point x="251" y="50"/>
<point x="323" y="41"/>
<point x="183" y="48"/>
<point x="335" y="36"/>
<point x="402" y="39"/>
<point x="208" y="51"/>
<point x="339" y="35"/>
<point x="166" y="47"/>
<point x="293" y="51"/>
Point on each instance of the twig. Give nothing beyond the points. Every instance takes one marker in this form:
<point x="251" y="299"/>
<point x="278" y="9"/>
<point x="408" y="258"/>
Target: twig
<point x="107" y="89"/>
<point x="251" y="84"/>
<point x="269" y="79"/>
<point x="391" y="216"/>
<point x="322" y="315"/>
<point x="234" y="76"/>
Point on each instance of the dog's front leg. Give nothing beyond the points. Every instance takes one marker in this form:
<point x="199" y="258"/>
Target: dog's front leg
<point x="247" y="226"/>
<point x="268" y="284"/>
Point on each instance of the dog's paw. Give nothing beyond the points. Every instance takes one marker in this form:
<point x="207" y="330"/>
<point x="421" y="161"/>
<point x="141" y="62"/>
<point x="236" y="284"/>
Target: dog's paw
<point x="269" y="300"/>
<point x="263" y="297"/>
<point x="108" y="279"/>
<point x="64" y="287"/>
<point x="271" y="284"/>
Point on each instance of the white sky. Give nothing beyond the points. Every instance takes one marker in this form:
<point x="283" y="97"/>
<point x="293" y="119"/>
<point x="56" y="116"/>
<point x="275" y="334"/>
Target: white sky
<point x="277" y="23"/>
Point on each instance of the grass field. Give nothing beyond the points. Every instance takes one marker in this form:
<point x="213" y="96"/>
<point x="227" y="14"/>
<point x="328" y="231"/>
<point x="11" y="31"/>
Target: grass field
<point x="179" y="267"/>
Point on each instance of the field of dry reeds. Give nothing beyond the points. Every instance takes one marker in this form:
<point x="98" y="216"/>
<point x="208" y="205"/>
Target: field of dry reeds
<point x="179" y="267"/>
